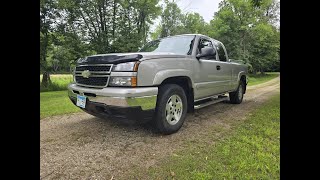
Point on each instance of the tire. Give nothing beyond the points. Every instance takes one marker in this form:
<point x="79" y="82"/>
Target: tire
<point x="169" y="116"/>
<point x="237" y="96"/>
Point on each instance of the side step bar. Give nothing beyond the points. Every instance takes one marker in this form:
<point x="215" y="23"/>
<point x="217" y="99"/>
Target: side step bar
<point x="211" y="100"/>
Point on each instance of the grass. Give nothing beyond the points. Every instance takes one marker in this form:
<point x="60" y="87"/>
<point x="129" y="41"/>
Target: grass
<point x="250" y="151"/>
<point x="259" y="78"/>
<point x="55" y="103"/>
<point x="59" y="82"/>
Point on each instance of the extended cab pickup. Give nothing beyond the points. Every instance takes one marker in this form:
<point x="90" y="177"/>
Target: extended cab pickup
<point x="166" y="79"/>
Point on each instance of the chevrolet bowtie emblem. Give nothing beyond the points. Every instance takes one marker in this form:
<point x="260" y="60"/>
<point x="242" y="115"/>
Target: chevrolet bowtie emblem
<point x="86" y="74"/>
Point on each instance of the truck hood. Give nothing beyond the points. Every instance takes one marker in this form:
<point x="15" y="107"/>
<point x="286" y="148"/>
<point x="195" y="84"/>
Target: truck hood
<point x="116" y="58"/>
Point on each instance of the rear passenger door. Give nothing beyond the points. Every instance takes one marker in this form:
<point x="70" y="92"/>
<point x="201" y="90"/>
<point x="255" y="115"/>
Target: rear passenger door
<point x="226" y="68"/>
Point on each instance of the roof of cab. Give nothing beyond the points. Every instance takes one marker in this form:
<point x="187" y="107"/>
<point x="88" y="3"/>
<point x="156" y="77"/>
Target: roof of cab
<point x="194" y="35"/>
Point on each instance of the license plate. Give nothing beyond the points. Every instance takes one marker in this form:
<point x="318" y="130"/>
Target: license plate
<point x="81" y="101"/>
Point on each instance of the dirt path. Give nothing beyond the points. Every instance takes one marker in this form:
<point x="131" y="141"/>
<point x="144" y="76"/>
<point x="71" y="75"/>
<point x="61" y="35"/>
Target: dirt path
<point x="80" y="146"/>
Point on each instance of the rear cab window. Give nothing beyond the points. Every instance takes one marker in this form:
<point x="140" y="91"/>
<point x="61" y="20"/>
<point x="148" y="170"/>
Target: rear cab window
<point x="221" y="51"/>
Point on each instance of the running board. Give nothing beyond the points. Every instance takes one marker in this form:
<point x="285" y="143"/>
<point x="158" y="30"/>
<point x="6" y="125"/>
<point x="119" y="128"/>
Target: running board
<point x="212" y="100"/>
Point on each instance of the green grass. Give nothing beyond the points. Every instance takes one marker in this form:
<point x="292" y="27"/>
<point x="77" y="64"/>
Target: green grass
<point x="55" y="103"/>
<point x="259" y="78"/>
<point x="59" y="82"/>
<point x="250" y="151"/>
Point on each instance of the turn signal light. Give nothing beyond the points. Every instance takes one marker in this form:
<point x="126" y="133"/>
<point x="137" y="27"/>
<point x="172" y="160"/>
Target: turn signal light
<point x="133" y="81"/>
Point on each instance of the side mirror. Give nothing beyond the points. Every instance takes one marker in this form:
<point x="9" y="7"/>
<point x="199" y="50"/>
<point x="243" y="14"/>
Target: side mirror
<point x="206" y="52"/>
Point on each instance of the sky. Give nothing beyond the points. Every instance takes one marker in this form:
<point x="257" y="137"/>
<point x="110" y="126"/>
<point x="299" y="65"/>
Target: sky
<point x="206" y="8"/>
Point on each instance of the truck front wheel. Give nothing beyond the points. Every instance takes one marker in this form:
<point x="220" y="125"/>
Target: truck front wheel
<point x="171" y="108"/>
<point x="237" y="96"/>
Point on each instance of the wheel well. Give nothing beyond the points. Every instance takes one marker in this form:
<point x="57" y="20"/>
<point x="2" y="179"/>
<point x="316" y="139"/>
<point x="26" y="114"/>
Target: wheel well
<point x="243" y="79"/>
<point x="185" y="83"/>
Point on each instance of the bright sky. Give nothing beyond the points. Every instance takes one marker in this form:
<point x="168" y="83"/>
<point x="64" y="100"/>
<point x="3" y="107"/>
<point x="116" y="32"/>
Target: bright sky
<point x="206" y="8"/>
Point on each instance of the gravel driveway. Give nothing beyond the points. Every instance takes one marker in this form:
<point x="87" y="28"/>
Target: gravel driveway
<point x="80" y="146"/>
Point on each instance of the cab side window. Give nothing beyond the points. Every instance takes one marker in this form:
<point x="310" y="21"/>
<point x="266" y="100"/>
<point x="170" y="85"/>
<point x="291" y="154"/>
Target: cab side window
<point x="205" y="43"/>
<point x="221" y="52"/>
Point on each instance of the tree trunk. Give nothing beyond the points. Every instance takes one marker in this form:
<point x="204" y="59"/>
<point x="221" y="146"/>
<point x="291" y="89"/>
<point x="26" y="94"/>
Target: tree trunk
<point x="46" y="79"/>
<point x="114" y="24"/>
<point x="43" y="63"/>
<point x="114" y="20"/>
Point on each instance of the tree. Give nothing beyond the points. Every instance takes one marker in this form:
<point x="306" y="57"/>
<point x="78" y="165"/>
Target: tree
<point x="248" y="31"/>
<point x="106" y="23"/>
<point x="47" y="16"/>
<point x="171" y="19"/>
<point x="70" y="29"/>
<point x="174" y="22"/>
<point x="265" y="47"/>
<point x="193" y="23"/>
<point x="232" y="25"/>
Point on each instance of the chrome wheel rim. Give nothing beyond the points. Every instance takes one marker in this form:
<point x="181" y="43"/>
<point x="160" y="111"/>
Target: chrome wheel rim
<point x="240" y="94"/>
<point x="174" y="109"/>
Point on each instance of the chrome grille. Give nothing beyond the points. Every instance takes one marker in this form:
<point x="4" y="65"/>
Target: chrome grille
<point x="99" y="75"/>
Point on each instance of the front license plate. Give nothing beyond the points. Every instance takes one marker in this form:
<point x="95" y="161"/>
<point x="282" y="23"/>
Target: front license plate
<point x="81" y="101"/>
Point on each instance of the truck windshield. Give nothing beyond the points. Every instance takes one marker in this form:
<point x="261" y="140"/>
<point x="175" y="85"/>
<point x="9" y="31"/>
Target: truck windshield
<point x="175" y="44"/>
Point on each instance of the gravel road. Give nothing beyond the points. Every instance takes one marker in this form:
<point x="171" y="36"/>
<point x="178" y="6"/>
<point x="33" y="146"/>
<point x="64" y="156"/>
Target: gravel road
<point x="80" y="146"/>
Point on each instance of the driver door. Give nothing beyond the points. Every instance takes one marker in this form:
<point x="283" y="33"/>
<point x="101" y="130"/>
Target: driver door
<point x="207" y="74"/>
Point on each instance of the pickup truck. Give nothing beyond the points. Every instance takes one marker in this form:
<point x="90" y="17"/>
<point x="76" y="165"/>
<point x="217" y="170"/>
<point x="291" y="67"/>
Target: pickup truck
<point x="160" y="83"/>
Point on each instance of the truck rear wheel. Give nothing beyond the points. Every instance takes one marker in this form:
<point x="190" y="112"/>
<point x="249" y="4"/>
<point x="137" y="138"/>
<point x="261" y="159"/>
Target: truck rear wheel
<point x="237" y="96"/>
<point x="171" y="108"/>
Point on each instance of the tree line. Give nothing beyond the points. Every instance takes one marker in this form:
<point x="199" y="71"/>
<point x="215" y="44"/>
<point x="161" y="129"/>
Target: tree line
<point x="70" y="29"/>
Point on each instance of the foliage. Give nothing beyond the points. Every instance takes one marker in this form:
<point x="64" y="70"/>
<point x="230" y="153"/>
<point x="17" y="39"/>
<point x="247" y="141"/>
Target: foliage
<point x="174" y="22"/>
<point x="72" y="29"/>
<point x="171" y="19"/>
<point x="248" y="30"/>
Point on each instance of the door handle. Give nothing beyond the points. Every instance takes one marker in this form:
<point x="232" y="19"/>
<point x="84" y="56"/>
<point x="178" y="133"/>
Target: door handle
<point x="218" y="67"/>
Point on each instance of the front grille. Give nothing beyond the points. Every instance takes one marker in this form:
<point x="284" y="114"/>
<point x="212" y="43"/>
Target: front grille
<point x="99" y="75"/>
<point x="92" y="81"/>
<point x="93" y="68"/>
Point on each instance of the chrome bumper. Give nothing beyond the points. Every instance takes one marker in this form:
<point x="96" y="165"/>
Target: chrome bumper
<point x="145" y="97"/>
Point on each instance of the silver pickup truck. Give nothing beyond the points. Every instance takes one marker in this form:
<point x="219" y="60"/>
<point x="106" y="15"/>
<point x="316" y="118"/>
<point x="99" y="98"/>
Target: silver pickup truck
<point x="161" y="82"/>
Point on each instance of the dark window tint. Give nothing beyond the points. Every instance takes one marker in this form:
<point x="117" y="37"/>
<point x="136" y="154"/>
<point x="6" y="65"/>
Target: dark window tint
<point x="205" y="43"/>
<point x="221" y="52"/>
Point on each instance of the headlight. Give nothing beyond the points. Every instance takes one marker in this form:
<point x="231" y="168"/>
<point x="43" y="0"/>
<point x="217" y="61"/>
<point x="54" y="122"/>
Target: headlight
<point x="129" y="66"/>
<point x="123" y="81"/>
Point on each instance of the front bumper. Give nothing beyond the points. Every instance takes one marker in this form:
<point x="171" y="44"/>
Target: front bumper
<point x="117" y="101"/>
<point x="145" y="97"/>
